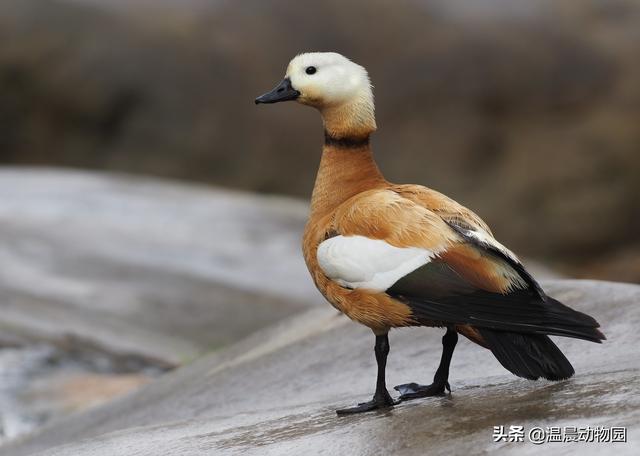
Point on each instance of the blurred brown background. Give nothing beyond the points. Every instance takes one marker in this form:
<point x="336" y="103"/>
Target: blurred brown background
<point x="528" y="111"/>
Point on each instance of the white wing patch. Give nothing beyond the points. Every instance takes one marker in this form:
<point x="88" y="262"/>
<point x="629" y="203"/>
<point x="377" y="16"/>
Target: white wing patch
<point x="484" y="237"/>
<point x="360" y="262"/>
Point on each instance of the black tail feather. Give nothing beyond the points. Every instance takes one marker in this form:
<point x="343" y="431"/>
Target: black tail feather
<point x="528" y="355"/>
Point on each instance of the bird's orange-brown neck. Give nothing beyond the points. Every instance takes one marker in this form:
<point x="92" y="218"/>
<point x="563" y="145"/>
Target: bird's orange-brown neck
<point x="347" y="166"/>
<point x="346" y="170"/>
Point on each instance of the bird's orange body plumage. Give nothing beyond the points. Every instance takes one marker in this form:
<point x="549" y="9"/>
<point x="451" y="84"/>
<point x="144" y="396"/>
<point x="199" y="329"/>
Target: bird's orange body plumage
<point x="351" y="197"/>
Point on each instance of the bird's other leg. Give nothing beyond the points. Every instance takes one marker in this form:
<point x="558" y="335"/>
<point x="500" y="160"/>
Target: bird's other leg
<point x="441" y="379"/>
<point x="381" y="398"/>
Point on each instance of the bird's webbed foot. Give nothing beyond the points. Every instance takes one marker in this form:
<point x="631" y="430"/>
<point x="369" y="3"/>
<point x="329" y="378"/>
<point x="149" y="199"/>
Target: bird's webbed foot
<point x="414" y="390"/>
<point x="381" y="400"/>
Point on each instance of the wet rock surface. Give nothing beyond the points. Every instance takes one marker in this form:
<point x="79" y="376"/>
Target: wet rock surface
<point x="40" y="382"/>
<point x="109" y="280"/>
<point x="276" y="391"/>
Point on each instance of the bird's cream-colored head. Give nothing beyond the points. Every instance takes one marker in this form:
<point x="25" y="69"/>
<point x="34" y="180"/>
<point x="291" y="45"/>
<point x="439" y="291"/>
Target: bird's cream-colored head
<point x="339" y="88"/>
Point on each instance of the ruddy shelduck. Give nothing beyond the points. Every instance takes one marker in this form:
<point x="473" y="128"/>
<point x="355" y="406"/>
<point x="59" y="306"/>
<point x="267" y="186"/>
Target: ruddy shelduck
<point x="389" y="255"/>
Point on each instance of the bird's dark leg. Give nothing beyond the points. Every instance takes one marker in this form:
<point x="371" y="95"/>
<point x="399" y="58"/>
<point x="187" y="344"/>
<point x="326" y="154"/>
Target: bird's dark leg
<point x="441" y="379"/>
<point x="381" y="398"/>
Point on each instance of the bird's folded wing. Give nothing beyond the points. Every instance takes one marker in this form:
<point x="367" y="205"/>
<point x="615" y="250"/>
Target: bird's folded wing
<point x="444" y="272"/>
<point x="381" y="237"/>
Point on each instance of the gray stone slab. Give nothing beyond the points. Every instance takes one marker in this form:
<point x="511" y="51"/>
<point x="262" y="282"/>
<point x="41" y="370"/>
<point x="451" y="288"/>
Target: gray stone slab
<point x="275" y="393"/>
<point x="144" y="267"/>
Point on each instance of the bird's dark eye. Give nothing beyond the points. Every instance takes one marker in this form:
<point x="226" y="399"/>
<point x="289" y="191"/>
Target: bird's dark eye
<point x="310" y="70"/>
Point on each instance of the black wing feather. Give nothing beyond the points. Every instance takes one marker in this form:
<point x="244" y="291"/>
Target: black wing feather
<point x="436" y="293"/>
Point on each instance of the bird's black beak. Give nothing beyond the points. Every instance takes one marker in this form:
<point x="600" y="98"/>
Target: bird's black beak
<point x="282" y="92"/>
